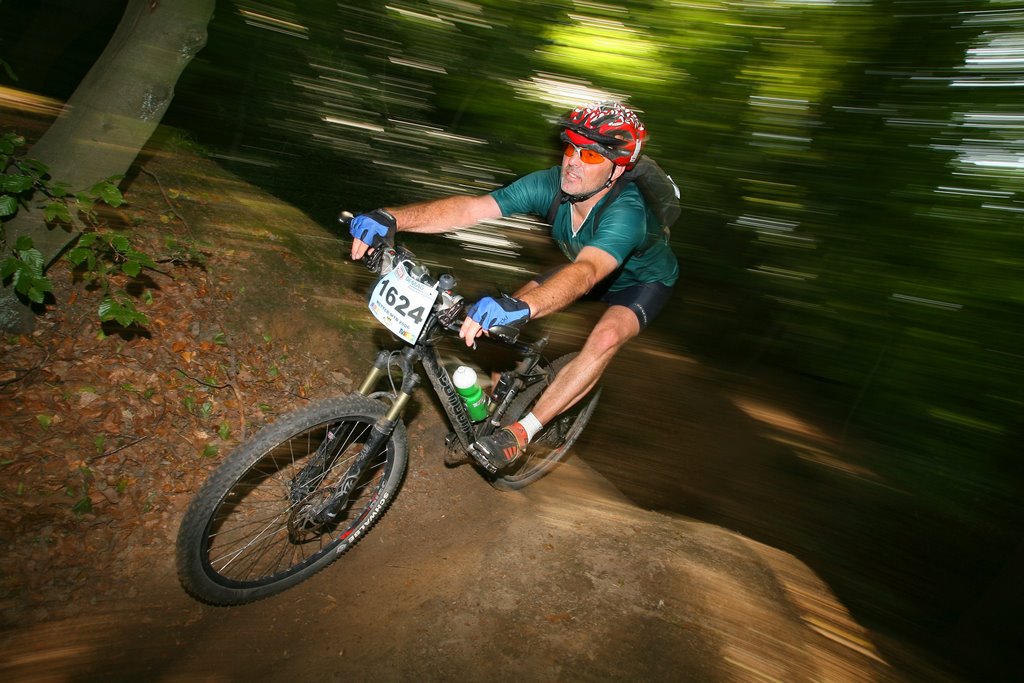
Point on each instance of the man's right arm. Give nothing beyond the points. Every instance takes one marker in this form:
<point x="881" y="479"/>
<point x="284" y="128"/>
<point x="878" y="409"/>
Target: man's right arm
<point x="439" y="215"/>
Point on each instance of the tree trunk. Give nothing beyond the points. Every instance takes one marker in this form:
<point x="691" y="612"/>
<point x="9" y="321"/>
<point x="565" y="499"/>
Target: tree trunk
<point x="110" y="116"/>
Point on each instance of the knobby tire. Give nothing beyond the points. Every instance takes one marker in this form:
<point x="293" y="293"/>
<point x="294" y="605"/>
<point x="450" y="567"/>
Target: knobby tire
<point x="247" y="535"/>
<point x="552" y="443"/>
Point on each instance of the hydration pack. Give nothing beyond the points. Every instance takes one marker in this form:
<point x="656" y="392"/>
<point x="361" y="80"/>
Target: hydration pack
<point x="661" y="195"/>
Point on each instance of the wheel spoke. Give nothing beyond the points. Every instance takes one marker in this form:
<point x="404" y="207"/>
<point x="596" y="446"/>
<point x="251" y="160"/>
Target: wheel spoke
<point x="552" y="444"/>
<point x="261" y="532"/>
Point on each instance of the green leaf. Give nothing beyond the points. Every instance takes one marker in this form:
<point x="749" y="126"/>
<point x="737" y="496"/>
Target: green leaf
<point x="137" y="318"/>
<point x="131" y="268"/>
<point x="37" y="168"/>
<point x="111" y="195"/>
<point x="33" y="260"/>
<point x="143" y="258"/>
<point x="57" y="211"/>
<point x="210" y="451"/>
<point x="107" y="308"/>
<point x="15" y="183"/>
<point x="10" y="141"/>
<point x="85" y="203"/>
<point x="121" y="243"/>
<point x="79" y="255"/>
<point x="45" y="421"/>
<point x="37" y="293"/>
<point x="8" y="205"/>
<point x="83" y="506"/>
<point x="24" y="243"/>
<point x="224" y="431"/>
<point x="121" y="312"/>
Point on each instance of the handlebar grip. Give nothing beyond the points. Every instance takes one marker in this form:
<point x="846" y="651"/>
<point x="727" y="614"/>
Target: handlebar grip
<point x="505" y="333"/>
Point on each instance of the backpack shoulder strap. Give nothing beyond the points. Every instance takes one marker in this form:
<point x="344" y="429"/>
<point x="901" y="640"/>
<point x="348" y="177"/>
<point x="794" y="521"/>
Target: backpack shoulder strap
<point x="624" y="180"/>
<point x="556" y="202"/>
<point x="612" y="195"/>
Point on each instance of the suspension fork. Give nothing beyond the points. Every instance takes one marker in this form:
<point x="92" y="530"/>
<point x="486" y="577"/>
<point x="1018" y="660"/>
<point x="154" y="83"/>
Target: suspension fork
<point x="321" y="461"/>
<point x="379" y="369"/>
<point x="379" y="433"/>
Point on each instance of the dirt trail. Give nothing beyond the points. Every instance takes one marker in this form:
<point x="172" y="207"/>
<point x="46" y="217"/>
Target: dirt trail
<point x="567" y="580"/>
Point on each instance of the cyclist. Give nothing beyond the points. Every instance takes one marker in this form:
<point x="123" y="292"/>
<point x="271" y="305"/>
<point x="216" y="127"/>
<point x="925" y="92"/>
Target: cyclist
<point x="602" y="141"/>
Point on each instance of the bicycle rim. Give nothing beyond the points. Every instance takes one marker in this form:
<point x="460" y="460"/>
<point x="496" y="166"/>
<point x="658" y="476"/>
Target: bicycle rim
<point x="261" y="532"/>
<point x="552" y="443"/>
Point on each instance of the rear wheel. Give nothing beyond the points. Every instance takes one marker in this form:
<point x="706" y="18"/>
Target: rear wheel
<point x="553" y="442"/>
<point x="250" y="532"/>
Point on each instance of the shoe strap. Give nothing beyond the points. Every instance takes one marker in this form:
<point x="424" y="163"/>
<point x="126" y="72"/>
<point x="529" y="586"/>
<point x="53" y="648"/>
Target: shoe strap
<point x="519" y="431"/>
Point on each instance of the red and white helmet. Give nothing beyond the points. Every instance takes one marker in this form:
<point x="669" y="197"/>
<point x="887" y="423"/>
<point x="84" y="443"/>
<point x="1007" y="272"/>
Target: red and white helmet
<point x="607" y="127"/>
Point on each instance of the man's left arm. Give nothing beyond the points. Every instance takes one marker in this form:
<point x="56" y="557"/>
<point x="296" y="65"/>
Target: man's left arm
<point x="566" y="286"/>
<point x="571" y="282"/>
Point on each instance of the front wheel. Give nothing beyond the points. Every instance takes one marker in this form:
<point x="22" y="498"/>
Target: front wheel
<point x="553" y="442"/>
<point x="250" y="531"/>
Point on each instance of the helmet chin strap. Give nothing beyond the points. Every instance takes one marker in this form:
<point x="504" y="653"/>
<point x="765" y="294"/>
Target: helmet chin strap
<point x="574" y="198"/>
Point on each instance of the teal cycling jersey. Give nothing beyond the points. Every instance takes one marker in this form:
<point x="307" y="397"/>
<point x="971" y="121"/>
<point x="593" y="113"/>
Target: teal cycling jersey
<point x="622" y="229"/>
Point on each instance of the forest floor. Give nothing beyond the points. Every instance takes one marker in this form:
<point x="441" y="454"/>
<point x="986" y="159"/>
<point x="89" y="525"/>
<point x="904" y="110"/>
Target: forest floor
<point x="106" y="434"/>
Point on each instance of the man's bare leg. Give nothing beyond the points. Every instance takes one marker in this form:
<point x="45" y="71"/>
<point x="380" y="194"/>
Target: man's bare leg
<point x="617" y="325"/>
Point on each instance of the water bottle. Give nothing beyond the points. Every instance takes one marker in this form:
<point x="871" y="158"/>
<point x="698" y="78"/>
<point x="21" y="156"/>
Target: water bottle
<point x="472" y="395"/>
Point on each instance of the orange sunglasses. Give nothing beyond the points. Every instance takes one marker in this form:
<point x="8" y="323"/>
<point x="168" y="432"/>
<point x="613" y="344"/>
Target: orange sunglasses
<point x="587" y="156"/>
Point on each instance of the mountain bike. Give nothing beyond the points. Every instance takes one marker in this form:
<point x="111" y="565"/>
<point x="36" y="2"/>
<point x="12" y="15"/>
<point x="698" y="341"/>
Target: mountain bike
<point x="305" y="488"/>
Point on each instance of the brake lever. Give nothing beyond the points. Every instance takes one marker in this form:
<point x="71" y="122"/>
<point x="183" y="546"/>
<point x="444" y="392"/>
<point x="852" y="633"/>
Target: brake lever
<point x="506" y="333"/>
<point x="373" y="256"/>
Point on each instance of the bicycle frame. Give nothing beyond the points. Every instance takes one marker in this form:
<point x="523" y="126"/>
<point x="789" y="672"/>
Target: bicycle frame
<point x="426" y="353"/>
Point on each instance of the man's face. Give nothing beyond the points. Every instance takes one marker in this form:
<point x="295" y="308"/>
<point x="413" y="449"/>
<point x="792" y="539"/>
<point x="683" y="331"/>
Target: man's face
<point x="579" y="177"/>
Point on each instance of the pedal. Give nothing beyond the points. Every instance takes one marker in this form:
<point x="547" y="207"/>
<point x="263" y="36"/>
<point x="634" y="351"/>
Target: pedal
<point x="481" y="460"/>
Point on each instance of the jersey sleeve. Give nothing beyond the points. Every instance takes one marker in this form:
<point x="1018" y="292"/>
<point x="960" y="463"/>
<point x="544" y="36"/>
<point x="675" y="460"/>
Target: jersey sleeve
<point x="533" y="193"/>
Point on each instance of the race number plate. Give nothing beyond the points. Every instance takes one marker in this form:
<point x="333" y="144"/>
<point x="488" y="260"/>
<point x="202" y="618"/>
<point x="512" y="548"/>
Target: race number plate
<point x="402" y="304"/>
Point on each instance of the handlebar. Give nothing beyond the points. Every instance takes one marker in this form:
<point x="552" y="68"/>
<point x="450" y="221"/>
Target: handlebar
<point x="382" y="257"/>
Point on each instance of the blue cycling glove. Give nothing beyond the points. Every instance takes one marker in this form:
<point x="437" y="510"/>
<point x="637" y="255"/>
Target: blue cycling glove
<point x="367" y="227"/>
<point x="505" y="310"/>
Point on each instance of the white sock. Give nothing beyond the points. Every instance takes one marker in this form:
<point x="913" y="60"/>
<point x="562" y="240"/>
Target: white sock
<point x="532" y="425"/>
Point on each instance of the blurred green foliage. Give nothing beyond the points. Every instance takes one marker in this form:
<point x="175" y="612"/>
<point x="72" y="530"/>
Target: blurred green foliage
<point x="845" y="214"/>
<point x="851" y="171"/>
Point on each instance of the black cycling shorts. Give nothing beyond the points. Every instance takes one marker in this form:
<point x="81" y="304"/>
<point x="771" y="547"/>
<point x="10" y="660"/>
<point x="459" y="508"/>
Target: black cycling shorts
<point x="645" y="300"/>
